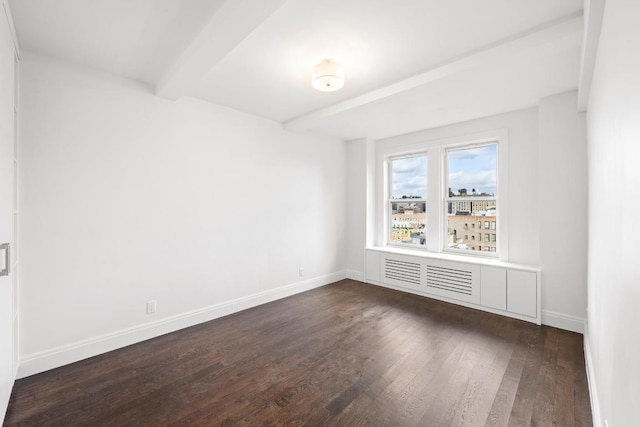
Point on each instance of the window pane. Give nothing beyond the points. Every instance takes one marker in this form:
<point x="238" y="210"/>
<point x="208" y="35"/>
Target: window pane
<point x="472" y="172"/>
<point x="408" y="223"/>
<point x="472" y="190"/>
<point x="409" y="178"/>
<point x="460" y="226"/>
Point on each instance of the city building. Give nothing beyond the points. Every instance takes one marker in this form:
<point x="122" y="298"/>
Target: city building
<point x="470" y="232"/>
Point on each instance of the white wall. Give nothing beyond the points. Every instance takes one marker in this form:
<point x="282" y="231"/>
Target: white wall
<point x="613" y="128"/>
<point x="127" y="197"/>
<point x="356" y="207"/>
<point x="547" y="169"/>
<point x="562" y="174"/>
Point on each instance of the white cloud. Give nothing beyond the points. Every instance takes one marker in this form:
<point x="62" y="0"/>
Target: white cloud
<point x="482" y="181"/>
<point x="409" y="176"/>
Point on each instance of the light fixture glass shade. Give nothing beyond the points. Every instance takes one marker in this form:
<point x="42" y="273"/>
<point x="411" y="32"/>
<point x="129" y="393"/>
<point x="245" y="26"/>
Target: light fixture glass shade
<point x="327" y="76"/>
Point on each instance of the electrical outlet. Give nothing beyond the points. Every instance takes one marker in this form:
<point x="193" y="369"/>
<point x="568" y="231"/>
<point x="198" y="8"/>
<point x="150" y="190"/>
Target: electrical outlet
<point x="300" y="272"/>
<point x="151" y="307"/>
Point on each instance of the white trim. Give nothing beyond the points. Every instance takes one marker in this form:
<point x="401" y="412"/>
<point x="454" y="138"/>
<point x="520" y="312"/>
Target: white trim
<point x="563" y="321"/>
<point x="593" y="14"/>
<point x="435" y="218"/>
<point x="69" y="353"/>
<point x="503" y="196"/>
<point x="355" y="275"/>
<point x="591" y="379"/>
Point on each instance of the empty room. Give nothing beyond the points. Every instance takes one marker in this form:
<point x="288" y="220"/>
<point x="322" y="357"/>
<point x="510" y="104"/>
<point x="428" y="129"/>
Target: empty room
<point x="337" y="213"/>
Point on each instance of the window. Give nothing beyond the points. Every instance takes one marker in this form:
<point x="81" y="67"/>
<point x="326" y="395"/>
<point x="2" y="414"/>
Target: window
<point x="471" y="183"/>
<point x="408" y="200"/>
<point x="442" y="196"/>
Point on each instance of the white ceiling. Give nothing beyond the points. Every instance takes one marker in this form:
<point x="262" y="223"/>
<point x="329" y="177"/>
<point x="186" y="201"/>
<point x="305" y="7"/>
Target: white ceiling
<point x="409" y="64"/>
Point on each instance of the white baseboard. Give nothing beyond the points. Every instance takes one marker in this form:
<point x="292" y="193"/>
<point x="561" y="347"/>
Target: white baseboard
<point x="63" y="355"/>
<point x="591" y="380"/>
<point x="563" y="321"/>
<point x="355" y="275"/>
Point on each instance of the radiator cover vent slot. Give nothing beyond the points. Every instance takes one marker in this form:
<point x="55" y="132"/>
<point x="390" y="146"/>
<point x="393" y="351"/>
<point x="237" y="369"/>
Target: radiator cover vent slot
<point x="444" y="278"/>
<point x="402" y="271"/>
<point x="458" y="281"/>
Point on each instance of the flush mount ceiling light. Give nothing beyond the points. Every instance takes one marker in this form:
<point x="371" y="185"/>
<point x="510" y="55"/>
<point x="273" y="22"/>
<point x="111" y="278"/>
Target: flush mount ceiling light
<point x="327" y="76"/>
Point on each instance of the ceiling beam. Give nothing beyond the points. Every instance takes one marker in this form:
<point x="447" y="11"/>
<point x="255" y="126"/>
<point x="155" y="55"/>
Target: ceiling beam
<point x="227" y="28"/>
<point x="555" y="35"/>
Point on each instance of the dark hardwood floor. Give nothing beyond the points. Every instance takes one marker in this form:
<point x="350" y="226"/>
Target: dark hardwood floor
<point x="346" y="354"/>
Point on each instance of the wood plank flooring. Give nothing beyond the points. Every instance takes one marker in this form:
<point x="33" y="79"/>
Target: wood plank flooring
<point x="347" y="354"/>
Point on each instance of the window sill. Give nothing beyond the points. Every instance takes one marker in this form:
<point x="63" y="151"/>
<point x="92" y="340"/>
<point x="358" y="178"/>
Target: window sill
<point x="452" y="257"/>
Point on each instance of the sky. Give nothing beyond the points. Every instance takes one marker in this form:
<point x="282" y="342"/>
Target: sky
<point x="409" y="177"/>
<point x="473" y="168"/>
<point x="469" y="168"/>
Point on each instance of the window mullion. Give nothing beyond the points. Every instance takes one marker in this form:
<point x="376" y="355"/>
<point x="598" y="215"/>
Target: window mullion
<point x="434" y="198"/>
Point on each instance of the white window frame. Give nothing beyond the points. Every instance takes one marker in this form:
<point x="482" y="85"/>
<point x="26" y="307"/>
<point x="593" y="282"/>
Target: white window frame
<point x="483" y="225"/>
<point x="436" y="239"/>
<point x="389" y="200"/>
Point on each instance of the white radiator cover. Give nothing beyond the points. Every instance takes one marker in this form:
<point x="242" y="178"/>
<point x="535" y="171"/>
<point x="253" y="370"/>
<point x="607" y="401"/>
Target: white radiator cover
<point x="498" y="287"/>
<point x="444" y="278"/>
